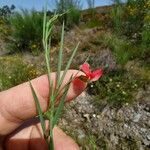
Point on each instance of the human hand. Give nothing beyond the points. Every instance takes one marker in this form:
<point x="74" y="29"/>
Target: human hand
<point x="19" y="129"/>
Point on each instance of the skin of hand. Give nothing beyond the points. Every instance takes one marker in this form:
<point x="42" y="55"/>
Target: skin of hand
<point x="19" y="128"/>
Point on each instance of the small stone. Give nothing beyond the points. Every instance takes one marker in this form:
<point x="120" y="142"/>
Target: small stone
<point x="126" y="104"/>
<point x="125" y="125"/>
<point x="94" y="115"/>
<point x="123" y="92"/>
<point x="110" y="80"/>
<point x="118" y="85"/>
<point x="137" y="118"/>
<point x="148" y="137"/>
<point x="146" y="142"/>
<point x="98" y="116"/>
<point x="143" y="130"/>
<point x="87" y="116"/>
<point x="81" y="134"/>
<point x="114" y="139"/>
<point x="92" y="86"/>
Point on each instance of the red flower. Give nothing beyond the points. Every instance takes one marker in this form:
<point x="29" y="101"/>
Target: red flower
<point x="90" y="75"/>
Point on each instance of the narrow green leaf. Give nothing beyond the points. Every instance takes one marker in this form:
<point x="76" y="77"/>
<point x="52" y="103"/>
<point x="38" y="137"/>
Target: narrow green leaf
<point x="60" y="55"/>
<point x="44" y="24"/>
<point x="38" y="108"/>
<point x="61" y="104"/>
<point x="68" y="64"/>
<point x="51" y="143"/>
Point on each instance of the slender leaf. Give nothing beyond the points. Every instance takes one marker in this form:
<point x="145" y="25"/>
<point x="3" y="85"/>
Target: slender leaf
<point x="60" y="55"/>
<point x="44" y="24"/>
<point x="38" y="108"/>
<point x="51" y="144"/>
<point x="61" y="104"/>
<point x="69" y="63"/>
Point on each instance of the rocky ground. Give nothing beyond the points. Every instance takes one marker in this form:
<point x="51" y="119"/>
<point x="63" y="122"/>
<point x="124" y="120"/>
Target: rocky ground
<point x="106" y="127"/>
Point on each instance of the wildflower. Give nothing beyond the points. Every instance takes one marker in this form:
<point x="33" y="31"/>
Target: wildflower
<point x="110" y="80"/>
<point x="123" y="92"/>
<point x="90" y="75"/>
<point x="118" y="85"/>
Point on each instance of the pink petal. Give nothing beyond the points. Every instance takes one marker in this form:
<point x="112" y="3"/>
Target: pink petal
<point x="86" y="68"/>
<point x="95" y="75"/>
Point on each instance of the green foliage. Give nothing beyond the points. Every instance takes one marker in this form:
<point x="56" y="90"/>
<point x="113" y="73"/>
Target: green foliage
<point x="128" y="18"/>
<point x="4" y="29"/>
<point x="121" y="47"/>
<point x="146" y="39"/>
<point x="133" y="18"/>
<point x="117" y="88"/>
<point x="94" y="23"/>
<point x="73" y="16"/>
<point x="116" y="16"/>
<point x="26" y="30"/>
<point x="146" y="30"/>
<point x="14" y="71"/>
<point x="91" y="5"/>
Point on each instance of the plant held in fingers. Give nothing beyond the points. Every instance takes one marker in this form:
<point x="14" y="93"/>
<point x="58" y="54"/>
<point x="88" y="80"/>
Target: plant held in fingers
<point x="53" y="113"/>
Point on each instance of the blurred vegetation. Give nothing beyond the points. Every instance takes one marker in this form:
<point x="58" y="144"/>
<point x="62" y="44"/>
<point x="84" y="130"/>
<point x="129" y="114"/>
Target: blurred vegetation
<point x="117" y="88"/>
<point x="14" y="71"/>
<point x="131" y="21"/>
<point x="5" y="14"/>
<point x="120" y="46"/>
<point x="71" y="10"/>
<point x="26" y="31"/>
<point x="117" y="15"/>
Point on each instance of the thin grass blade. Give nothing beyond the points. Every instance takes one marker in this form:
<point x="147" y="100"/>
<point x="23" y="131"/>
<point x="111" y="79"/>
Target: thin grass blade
<point x="44" y="24"/>
<point x="68" y="64"/>
<point x="51" y="144"/>
<point x="38" y="108"/>
<point x="60" y="56"/>
<point x="61" y="104"/>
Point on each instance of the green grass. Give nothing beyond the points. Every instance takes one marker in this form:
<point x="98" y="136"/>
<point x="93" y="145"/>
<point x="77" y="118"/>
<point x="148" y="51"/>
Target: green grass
<point x="93" y="23"/>
<point x="26" y="30"/>
<point x="117" y="88"/>
<point x="120" y="46"/>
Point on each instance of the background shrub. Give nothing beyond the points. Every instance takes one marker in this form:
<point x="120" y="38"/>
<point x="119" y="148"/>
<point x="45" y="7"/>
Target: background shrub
<point x="120" y="46"/>
<point x="117" y="15"/>
<point x="5" y="13"/>
<point x="73" y="6"/>
<point x="128" y="18"/>
<point x="146" y="30"/>
<point x="26" y="30"/>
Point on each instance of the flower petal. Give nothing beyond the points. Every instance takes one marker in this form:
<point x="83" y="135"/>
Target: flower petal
<point x="86" y="69"/>
<point x="95" y="75"/>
